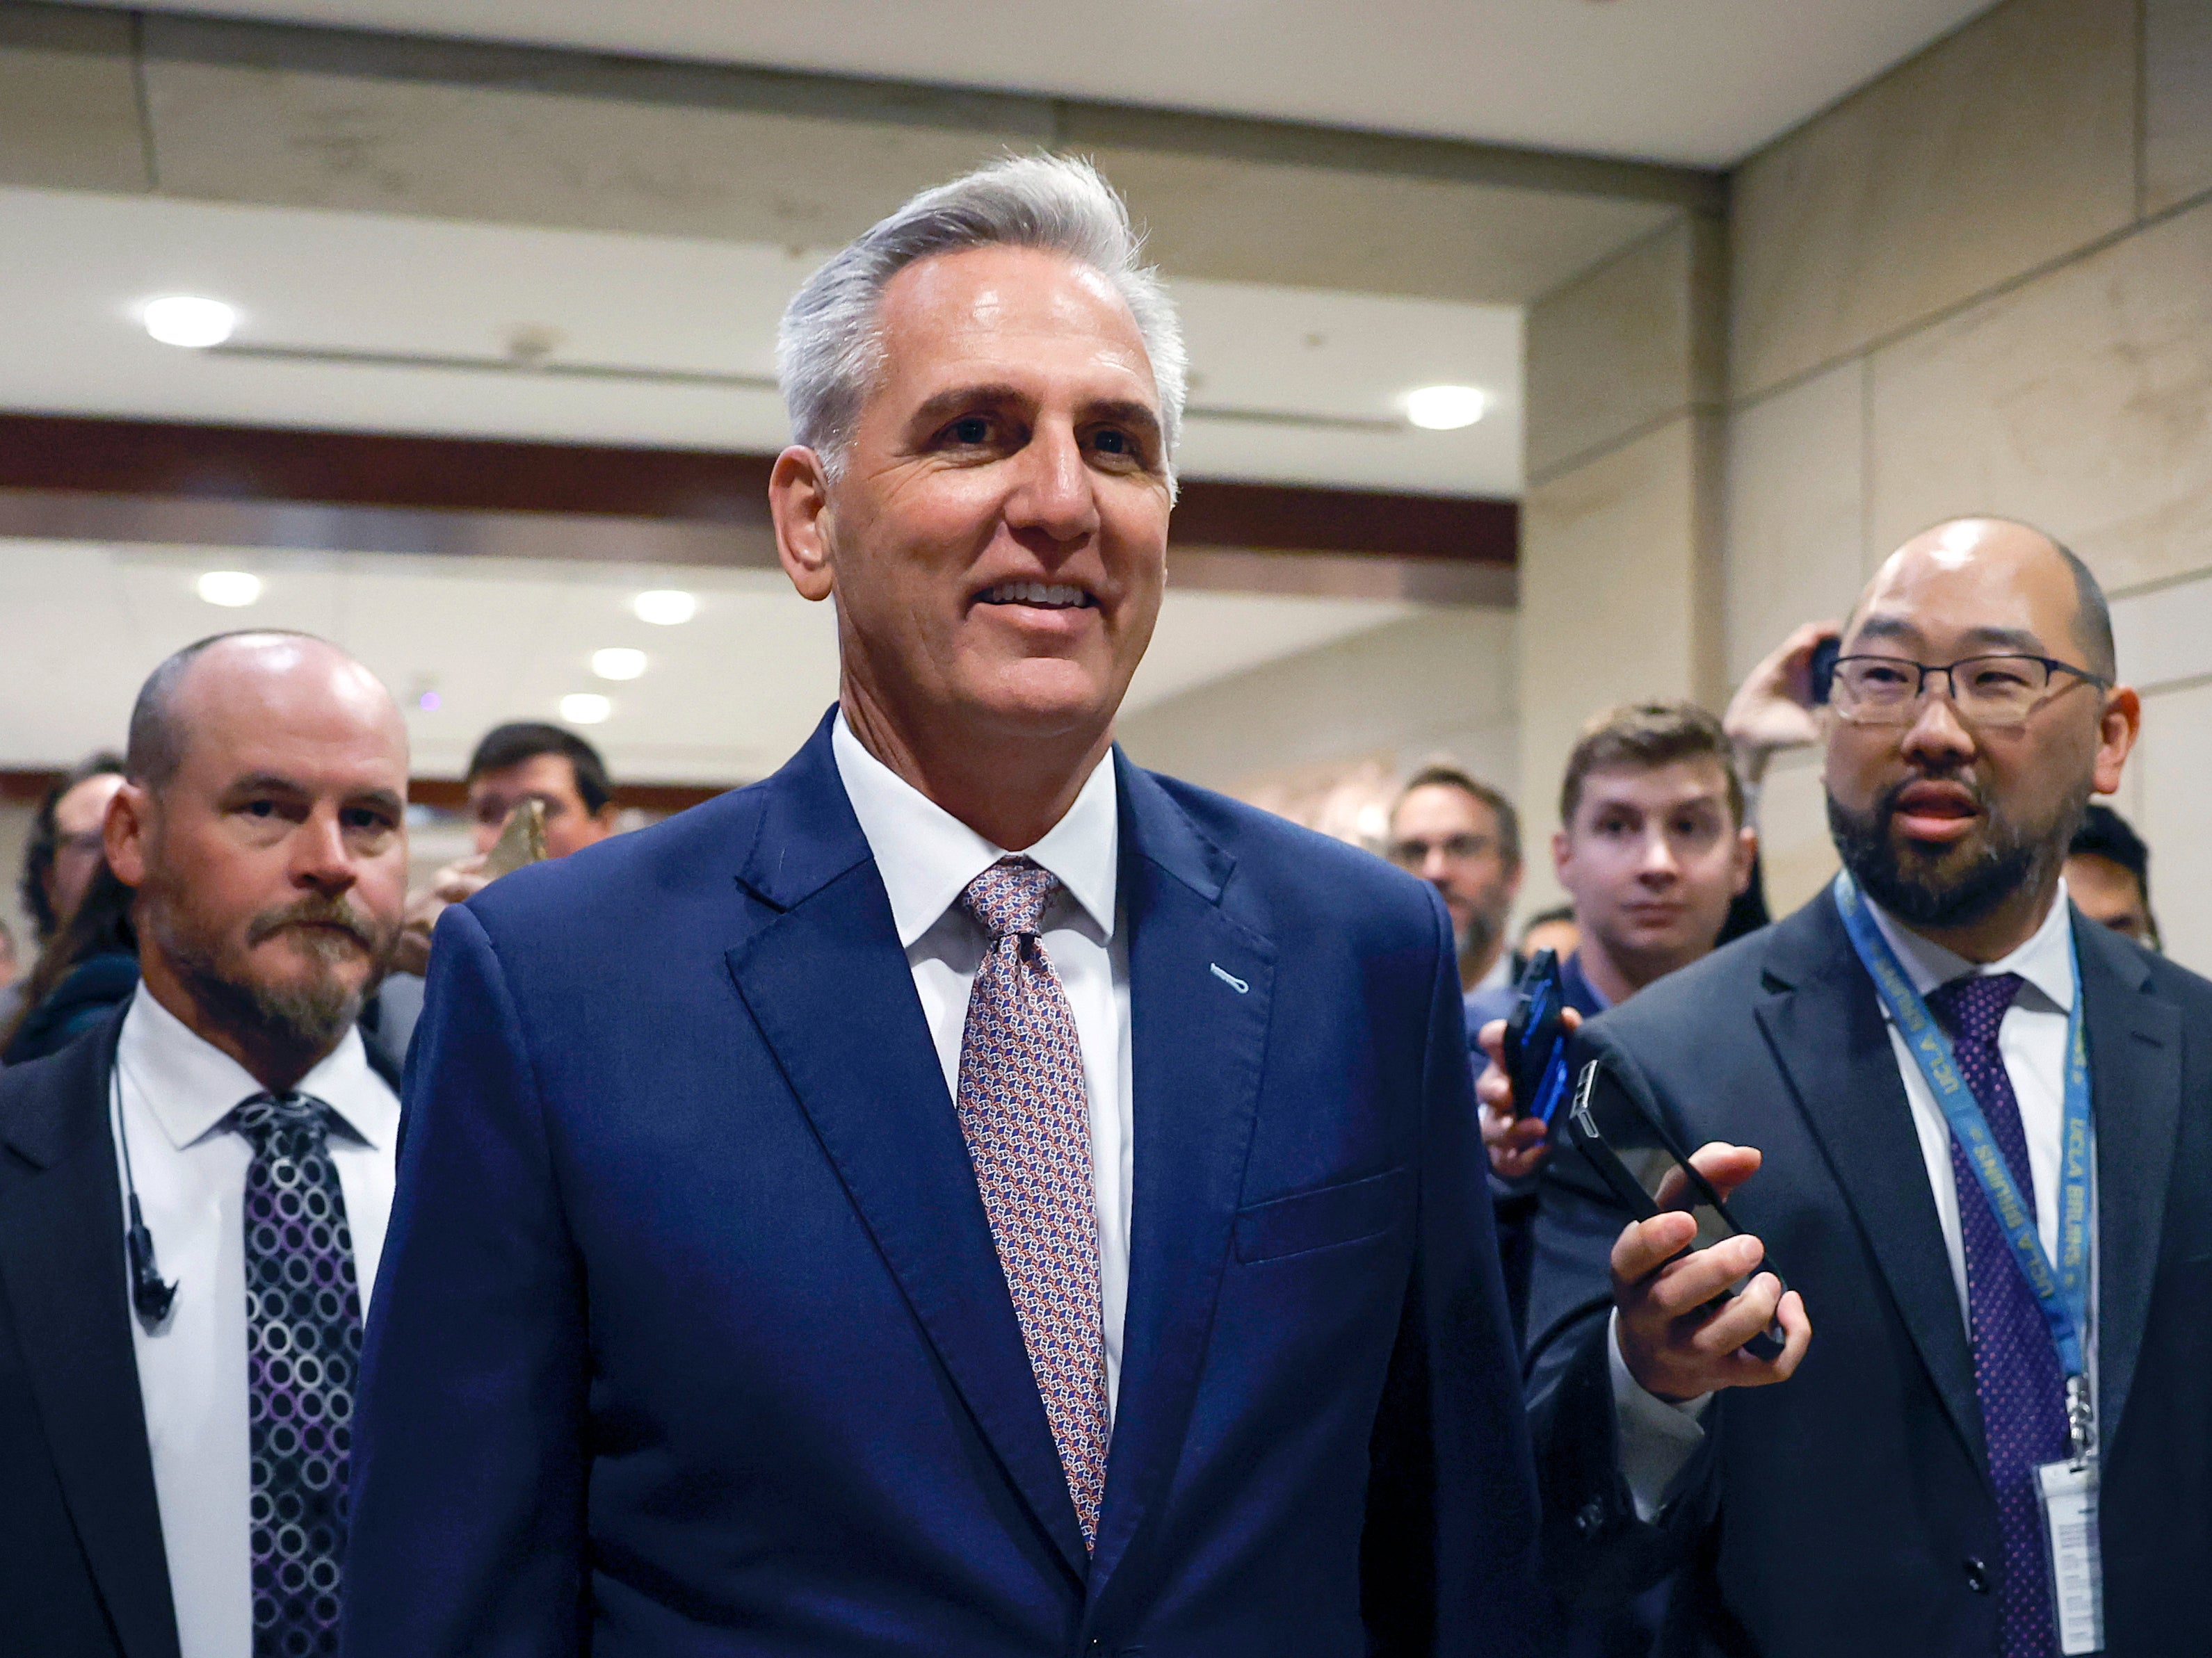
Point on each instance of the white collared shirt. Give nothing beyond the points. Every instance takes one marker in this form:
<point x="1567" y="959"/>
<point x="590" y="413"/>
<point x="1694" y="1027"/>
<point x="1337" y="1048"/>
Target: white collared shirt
<point x="176" y="1089"/>
<point x="1657" y="1437"/>
<point x="926" y="858"/>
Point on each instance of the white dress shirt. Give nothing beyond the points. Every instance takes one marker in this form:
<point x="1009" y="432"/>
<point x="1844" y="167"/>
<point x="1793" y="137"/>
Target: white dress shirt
<point x="175" y="1090"/>
<point x="926" y="858"/>
<point x="1657" y="1437"/>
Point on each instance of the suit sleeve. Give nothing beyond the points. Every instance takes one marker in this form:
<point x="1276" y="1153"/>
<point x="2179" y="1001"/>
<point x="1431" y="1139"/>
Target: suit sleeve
<point x="1448" y="1558"/>
<point x="1597" y="1550"/>
<point x="468" y="1495"/>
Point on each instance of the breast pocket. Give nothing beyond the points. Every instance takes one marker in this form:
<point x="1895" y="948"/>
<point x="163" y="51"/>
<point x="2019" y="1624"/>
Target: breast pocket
<point x="1321" y="1219"/>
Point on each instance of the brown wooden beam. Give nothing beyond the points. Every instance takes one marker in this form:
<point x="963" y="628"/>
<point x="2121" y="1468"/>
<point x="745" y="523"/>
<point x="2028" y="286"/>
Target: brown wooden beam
<point x="246" y="464"/>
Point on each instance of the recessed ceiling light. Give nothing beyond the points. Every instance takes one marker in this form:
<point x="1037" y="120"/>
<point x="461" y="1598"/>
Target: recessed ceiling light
<point x="184" y="319"/>
<point x="1445" y="408"/>
<point x="585" y="707"/>
<point x="232" y="588"/>
<point x="665" y="607"/>
<point x="618" y="662"/>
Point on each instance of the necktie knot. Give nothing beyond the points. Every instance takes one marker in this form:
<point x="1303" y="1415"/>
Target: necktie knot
<point x="1009" y="898"/>
<point x="283" y="1124"/>
<point x="1971" y="1008"/>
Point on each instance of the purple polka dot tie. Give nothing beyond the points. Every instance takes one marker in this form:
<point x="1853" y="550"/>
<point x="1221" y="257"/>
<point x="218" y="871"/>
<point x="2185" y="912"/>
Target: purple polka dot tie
<point x="1025" y="1113"/>
<point x="302" y="1353"/>
<point x="2016" y="1377"/>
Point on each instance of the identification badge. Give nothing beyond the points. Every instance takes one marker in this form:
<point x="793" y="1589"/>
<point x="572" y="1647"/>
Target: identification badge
<point x="2077" y="1567"/>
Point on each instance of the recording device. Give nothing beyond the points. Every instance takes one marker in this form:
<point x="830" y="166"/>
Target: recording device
<point x="1537" y="1041"/>
<point x="149" y="1296"/>
<point x="521" y="840"/>
<point x="1634" y="1154"/>
<point x="1823" y="667"/>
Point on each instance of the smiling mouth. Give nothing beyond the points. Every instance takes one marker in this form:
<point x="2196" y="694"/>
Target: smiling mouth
<point x="1039" y="595"/>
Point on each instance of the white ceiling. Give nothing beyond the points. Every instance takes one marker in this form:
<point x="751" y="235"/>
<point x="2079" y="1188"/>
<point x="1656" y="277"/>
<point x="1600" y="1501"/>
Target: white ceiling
<point x="1697" y="82"/>
<point x="368" y="283"/>
<point x="725" y="698"/>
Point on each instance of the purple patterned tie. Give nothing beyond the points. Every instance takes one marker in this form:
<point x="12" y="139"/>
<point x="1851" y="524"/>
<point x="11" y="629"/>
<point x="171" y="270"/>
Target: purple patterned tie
<point x="2023" y="1396"/>
<point x="1025" y="1113"/>
<point x="302" y="1354"/>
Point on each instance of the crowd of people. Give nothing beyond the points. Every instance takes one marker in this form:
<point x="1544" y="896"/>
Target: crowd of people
<point x="969" y="1195"/>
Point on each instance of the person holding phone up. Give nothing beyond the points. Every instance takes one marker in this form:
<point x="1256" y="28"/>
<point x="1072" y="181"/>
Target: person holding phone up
<point x="1973" y="1127"/>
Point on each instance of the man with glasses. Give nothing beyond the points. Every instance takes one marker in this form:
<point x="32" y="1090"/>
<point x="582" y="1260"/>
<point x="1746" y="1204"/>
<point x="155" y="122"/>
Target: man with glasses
<point x="1463" y="838"/>
<point x="1969" y="1127"/>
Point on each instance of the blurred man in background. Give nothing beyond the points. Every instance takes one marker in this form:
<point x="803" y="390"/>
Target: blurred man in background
<point x="1554" y="929"/>
<point x="174" y="1416"/>
<point x="512" y="765"/>
<point x="61" y="855"/>
<point x="2108" y="875"/>
<point x="1464" y="839"/>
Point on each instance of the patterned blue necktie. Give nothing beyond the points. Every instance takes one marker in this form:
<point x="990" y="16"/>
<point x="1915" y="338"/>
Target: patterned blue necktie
<point x="2023" y="1396"/>
<point x="302" y="1355"/>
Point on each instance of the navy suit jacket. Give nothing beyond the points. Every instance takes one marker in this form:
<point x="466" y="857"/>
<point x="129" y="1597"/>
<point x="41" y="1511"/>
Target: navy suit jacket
<point x="1849" y="1510"/>
<point x="692" y="1337"/>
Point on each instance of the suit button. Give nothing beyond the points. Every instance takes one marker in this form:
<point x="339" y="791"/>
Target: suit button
<point x="1591" y="1518"/>
<point x="1978" y="1575"/>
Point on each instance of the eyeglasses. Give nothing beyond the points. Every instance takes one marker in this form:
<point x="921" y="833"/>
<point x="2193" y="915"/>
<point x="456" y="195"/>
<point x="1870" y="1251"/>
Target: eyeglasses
<point x="1988" y="690"/>
<point x="1412" y="854"/>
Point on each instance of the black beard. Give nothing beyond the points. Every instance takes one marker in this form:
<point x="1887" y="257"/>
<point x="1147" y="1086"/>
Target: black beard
<point x="2013" y="856"/>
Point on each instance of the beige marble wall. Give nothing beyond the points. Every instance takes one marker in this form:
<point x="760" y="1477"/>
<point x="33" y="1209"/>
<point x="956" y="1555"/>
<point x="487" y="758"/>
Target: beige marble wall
<point x="2081" y="401"/>
<point x="1442" y="683"/>
<point x="1630" y="344"/>
<point x="1980" y="285"/>
<point x="1620" y="600"/>
<point x="2007" y="146"/>
<point x="1795" y="511"/>
<point x="2177" y="101"/>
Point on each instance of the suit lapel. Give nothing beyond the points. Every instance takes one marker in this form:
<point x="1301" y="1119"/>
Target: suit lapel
<point x="1199" y="991"/>
<point x="2135" y="1070"/>
<point x="1826" y="1029"/>
<point x="827" y="983"/>
<point x="62" y="1258"/>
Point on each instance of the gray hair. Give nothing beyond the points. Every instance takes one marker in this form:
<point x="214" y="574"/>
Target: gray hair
<point x="829" y="349"/>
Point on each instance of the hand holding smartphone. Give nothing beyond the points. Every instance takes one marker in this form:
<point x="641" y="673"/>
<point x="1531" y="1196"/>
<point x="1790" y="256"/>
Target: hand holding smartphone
<point x="1537" y="1041"/>
<point x="1639" y="1161"/>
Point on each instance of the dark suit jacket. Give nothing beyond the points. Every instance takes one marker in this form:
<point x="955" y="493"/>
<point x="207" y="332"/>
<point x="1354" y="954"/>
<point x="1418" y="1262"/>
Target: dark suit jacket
<point x="1849" y="1510"/>
<point x="692" y="1337"/>
<point x="83" y="1572"/>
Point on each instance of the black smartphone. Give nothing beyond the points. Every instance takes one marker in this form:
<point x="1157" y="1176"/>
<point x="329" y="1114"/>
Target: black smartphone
<point x="1632" y="1153"/>
<point x="1823" y="667"/>
<point x="1536" y="1040"/>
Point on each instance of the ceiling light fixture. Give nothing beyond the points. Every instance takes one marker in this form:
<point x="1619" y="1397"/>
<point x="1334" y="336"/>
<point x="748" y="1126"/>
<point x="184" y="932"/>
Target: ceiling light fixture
<point x="229" y="588"/>
<point x="585" y="707"/>
<point x="618" y="662"/>
<point x="665" y="607"/>
<point x="183" y="319"/>
<point x="1445" y="408"/>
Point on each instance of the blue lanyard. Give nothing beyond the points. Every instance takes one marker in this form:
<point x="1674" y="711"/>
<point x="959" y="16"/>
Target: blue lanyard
<point x="2063" y="1294"/>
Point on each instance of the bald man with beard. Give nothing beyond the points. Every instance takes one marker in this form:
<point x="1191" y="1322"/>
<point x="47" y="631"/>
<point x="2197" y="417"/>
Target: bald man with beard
<point x="1998" y="1257"/>
<point x="193" y="1197"/>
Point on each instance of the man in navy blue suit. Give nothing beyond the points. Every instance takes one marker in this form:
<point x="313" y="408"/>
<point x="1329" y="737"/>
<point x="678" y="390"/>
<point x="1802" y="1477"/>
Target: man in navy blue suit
<point x="967" y="1194"/>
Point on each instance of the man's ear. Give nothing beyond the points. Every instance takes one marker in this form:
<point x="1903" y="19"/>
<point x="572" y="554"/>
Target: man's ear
<point x="2117" y="731"/>
<point x="122" y="832"/>
<point x="798" y="501"/>
<point x="1746" y="857"/>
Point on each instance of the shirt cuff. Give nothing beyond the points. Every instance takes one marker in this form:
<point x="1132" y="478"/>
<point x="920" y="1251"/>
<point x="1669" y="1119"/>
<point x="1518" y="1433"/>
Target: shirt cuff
<point x="1656" y="1439"/>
